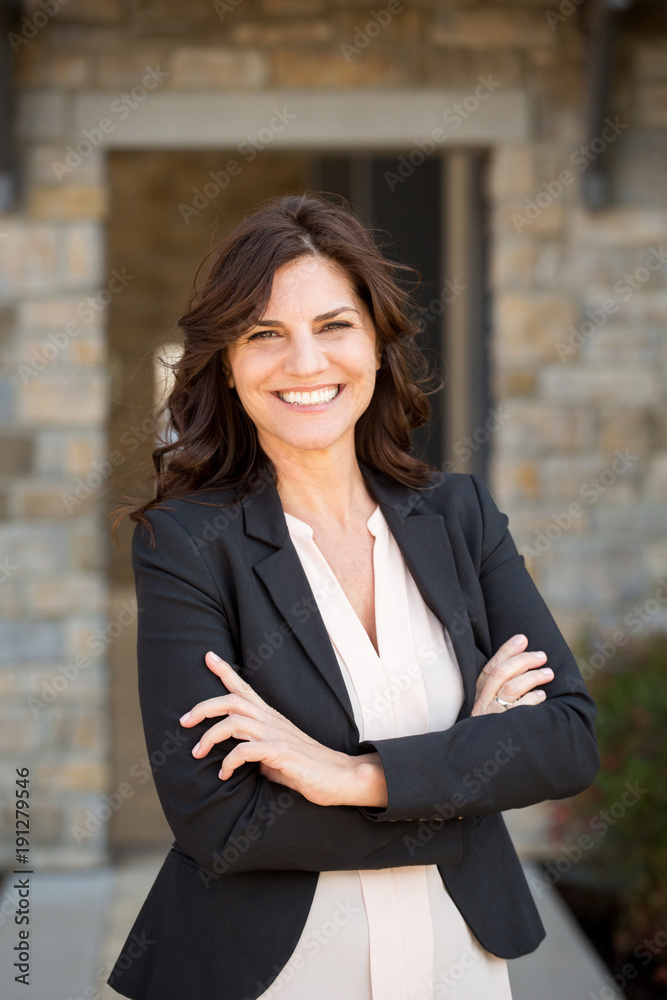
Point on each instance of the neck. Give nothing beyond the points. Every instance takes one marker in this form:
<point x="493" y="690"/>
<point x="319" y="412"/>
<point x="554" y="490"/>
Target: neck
<point x="323" y="487"/>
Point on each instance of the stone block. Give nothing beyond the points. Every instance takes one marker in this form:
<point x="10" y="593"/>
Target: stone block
<point x="626" y="226"/>
<point x="83" y="255"/>
<point x="299" y="68"/>
<point x="590" y="385"/>
<point x="508" y="383"/>
<point x="211" y="68"/>
<point x="535" y="429"/>
<point x="80" y="452"/>
<point x="8" y="323"/>
<point x="517" y="481"/>
<point x="528" y="326"/>
<point x="101" y="12"/>
<point x="41" y="115"/>
<point x="118" y="70"/>
<point x="69" y="201"/>
<point x="16" y="455"/>
<point x="512" y="172"/>
<point x="650" y="59"/>
<point x="651" y="108"/>
<point x="512" y="264"/>
<point x="47" y="501"/>
<point x="656" y="477"/>
<point x="588" y="479"/>
<point x="12" y="605"/>
<point x="85" y="552"/>
<point x="593" y="574"/>
<point x="488" y="26"/>
<point x="359" y="28"/>
<point x="29" y="640"/>
<point x="89" y="351"/>
<point x="7" y="400"/>
<point x="293" y="8"/>
<point x="29" y="259"/>
<point x="64" y="400"/>
<point x="282" y="32"/>
<point x="655" y="557"/>
<point x="51" y="313"/>
<point x="462" y="67"/>
<point x="65" y="776"/>
<point x="630" y="427"/>
<point x="40" y="172"/>
<point x="617" y="344"/>
<point x="34" y="549"/>
<point x="526" y="220"/>
<point x="62" y="595"/>
<point x="31" y="62"/>
<point x="560" y="266"/>
<point x="70" y="70"/>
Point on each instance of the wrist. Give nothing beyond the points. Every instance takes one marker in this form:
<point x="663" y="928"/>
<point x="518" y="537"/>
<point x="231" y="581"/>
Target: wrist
<point x="368" y="786"/>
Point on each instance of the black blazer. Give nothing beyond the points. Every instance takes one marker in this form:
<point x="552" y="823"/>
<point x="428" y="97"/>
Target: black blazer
<point x="230" y="901"/>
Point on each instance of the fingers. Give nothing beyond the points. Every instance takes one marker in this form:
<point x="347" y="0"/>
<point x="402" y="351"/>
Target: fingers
<point x="512" y="678"/>
<point x="515" y="644"/>
<point x="531" y="698"/>
<point x="234" y="683"/>
<point x="244" y="752"/>
<point x="229" y="677"/>
<point x="239" y="726"/>
<point x="222" y="705"/>
<point x="519" y="686"/>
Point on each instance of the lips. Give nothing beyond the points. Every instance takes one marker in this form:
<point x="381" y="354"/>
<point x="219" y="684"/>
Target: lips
<point x="310" y="406"/>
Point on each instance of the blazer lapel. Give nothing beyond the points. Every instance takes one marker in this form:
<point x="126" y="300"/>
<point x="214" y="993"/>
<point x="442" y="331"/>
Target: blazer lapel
<point x="427" y="551"/>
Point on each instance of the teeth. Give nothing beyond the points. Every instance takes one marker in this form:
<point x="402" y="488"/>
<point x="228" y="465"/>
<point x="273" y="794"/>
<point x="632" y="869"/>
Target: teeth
<point x="308" y="398"/>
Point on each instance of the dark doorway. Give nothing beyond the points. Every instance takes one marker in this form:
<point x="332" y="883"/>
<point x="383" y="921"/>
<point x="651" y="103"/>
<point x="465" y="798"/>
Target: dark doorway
<point x="433" y="213"/>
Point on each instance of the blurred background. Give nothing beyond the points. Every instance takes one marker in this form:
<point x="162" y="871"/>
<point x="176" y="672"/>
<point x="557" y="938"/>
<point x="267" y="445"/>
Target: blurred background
<point x="515" y="153"/>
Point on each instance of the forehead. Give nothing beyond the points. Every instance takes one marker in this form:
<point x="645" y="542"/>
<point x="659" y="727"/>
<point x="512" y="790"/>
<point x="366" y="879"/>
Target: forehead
<point x="312" y="280"/>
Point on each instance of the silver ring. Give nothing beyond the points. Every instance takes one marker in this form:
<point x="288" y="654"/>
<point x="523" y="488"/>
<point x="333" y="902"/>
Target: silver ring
<point x="505" y="704"/>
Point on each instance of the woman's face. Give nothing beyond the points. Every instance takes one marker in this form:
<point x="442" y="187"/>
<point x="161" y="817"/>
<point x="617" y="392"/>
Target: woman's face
<point x="315" y="335"/>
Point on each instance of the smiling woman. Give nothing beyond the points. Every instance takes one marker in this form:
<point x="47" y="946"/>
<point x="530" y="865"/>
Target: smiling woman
<point x="359" y="627"/>
<point x="306" y="383"/>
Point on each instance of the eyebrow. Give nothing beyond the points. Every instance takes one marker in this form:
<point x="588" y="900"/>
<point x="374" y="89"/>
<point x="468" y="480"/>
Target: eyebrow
<point x="326" y="315"/>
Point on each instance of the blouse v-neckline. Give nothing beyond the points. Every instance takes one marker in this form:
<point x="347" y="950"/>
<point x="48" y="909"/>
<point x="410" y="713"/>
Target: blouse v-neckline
<point x="376" y="524"/>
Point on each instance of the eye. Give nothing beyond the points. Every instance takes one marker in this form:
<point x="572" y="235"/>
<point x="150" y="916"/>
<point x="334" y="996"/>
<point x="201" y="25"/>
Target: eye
<point x="264" y="334"/>
<point x="261" y="335"/>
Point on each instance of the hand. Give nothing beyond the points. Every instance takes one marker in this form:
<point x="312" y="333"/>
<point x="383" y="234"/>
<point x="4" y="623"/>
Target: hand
<point x="512" y="674"/>
<point x="285" y="753"/>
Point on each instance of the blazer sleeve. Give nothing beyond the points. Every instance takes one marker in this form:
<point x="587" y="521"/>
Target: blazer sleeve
<point x="510" y="759"/>
<point x="245" y="822"/>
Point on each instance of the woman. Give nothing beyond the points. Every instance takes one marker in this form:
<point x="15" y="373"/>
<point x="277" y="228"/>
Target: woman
<point x="335" y="639"/>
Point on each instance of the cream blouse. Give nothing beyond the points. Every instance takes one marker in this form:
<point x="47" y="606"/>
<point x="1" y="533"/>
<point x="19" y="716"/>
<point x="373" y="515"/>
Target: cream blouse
<point x="394" y="933"/>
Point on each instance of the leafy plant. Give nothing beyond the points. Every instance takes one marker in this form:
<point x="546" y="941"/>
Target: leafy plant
<point x="624" y="812"/>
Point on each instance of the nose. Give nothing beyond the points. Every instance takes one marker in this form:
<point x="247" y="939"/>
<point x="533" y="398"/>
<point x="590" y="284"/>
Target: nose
<point x="305" y="357"/>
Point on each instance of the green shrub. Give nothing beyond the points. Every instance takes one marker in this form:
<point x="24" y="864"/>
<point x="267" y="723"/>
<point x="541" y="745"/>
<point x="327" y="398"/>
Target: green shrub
<point x="628" y="680"/>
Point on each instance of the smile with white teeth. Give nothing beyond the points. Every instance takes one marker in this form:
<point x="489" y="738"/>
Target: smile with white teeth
<point x="309" y="398"/>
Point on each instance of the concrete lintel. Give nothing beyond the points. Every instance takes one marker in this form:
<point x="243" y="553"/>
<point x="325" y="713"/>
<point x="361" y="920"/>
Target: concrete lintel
<point x="324" y="119"/>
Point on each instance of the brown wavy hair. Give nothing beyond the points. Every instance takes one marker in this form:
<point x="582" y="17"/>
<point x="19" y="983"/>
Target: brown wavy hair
<point x="211" y="443"/>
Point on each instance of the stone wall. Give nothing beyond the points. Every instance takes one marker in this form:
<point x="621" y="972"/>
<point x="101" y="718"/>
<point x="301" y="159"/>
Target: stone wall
<point x="579" y="310"/>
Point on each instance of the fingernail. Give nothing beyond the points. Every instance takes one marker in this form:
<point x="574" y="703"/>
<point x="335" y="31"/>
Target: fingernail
<point x="194" y="749"/>
<point x="518" y="639"/>
<point x="184" y="718"/>
<point x="213" y="655"/>
<point x="546" y="670"/>
<point x="539" y="652"/>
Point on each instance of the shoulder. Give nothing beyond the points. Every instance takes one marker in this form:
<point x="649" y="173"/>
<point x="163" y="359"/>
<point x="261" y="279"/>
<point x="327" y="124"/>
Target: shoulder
<point x="460" y="495"/>
<point x="467" y="506"/>
<point x="192" y="514"/>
